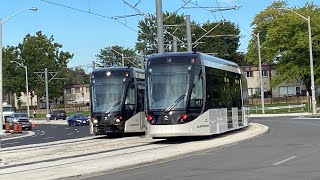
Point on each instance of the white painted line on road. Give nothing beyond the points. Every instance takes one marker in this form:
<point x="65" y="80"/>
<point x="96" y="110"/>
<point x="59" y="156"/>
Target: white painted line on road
<point x="67" y="128"/>
<point x="34" y="136"/>
<point x="283" y="161"/>
<point x="42" y="133"/>
<point x="78" y="131"/>
<point x="38" y="130"/>
<point x="69" y="134"/>
<point x="10" y="143"/>
<point x="48" y="138"/>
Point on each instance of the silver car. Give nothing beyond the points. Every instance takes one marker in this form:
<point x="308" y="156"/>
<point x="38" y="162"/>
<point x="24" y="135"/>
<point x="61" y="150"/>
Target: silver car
<point x="21" y="118"/>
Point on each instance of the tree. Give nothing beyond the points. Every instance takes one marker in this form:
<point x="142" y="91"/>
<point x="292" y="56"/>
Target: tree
<point x="12" y="85"/>
<point x="77" y="75"/>
<point x="111" y="56"/>
<point x="284" y="39"/>
<point x="39" y="52"/>
<point x="223" y="40"/>
<point x="147" y="33"/>
<point x="221" y="45"/>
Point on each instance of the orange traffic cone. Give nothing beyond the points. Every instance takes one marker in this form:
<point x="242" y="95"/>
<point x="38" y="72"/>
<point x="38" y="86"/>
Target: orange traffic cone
<point x="33" y="125"/>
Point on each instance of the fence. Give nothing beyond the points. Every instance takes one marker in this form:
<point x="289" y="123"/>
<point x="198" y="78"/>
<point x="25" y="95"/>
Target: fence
<point x="280" y="100"/>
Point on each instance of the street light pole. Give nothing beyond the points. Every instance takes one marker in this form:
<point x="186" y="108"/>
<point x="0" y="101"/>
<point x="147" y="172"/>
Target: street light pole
<point x="314" y="102"/>
<point x="313" y="91"/>
<point x="1" y="75"/>
<point x="27" y="85"/>
<point x="260" y="72"/>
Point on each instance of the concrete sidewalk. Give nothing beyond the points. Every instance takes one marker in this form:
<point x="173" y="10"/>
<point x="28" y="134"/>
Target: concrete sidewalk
<point x="149" y="151"/>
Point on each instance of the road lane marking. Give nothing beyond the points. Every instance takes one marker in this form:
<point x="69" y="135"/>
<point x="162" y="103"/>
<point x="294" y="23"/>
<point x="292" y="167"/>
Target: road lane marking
<point x="78" y="131"/>
<point x="42" y="133"/>
<point x="69" y="134"/>
<point x="38" y="130"/>
<point x="67" y="128"/>
<point x="48" y="138"/>
<point x="283" y="161"/>
<point x="10" y="143"/>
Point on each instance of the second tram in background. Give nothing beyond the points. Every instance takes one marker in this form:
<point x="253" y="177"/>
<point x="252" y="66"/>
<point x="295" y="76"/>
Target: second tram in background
<point x="194" y="94"/>
<point x="117" y="100"/>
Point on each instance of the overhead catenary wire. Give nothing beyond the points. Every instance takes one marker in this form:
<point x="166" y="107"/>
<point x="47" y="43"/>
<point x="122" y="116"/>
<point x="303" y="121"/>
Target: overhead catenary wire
<point x="88" y="12"/>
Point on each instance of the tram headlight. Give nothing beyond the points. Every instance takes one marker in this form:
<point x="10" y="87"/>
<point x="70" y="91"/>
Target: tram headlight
<point x="94" y="120"/>
<point x="119" y="118"/>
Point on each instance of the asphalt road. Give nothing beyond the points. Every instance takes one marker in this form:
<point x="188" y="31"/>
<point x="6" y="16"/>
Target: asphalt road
<point x="290" y="151"/>
<point x="48" y="133"/>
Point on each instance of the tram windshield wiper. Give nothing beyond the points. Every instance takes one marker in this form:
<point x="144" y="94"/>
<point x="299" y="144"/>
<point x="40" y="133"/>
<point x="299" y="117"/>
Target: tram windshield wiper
<point x="113" y="106"/>
<point x="175" y="103"/>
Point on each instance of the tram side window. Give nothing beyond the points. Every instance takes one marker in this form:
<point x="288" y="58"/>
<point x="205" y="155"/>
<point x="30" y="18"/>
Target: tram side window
<point x="196" y="99"/>
<point x="130" y="99"/>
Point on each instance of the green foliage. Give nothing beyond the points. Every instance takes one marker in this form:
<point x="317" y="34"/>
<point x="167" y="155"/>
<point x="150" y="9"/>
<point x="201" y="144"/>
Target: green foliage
<point x="109" y="56"/>
<point x="39" y="52"/>
<point x="10" y="70"/>
<point x="77" y="75"/>
<point x="147" y="34"/>
<point x="284" y="41"/>
<point x="224" y="47"/>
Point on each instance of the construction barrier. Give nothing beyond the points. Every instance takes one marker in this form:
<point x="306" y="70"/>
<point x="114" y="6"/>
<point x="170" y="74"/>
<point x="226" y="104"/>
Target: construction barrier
<point x="7" y="128"/>
<point x="15" y="128"/>
<point x="20" y="128"/>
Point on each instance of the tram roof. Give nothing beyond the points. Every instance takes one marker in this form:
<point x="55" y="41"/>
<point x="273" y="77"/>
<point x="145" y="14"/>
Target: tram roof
<point x="125" y="68"/>
<point x="206" y="57"/>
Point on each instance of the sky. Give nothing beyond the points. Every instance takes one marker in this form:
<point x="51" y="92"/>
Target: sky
<point x="85" y="34"/>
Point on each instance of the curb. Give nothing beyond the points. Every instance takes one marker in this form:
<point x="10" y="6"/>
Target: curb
<point x="280" y="115"/>
<point x="30" y="133"/>
<point x="265" y="130"/>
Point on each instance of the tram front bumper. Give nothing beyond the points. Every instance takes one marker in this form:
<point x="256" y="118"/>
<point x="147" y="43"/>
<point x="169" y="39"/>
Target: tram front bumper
<point x="103" y="129"/>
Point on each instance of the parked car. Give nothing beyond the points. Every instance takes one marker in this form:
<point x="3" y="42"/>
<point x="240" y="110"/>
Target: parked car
<point x="58" y="114"/>
<point x="21" y="118"/>
<point x="78" y="120"/>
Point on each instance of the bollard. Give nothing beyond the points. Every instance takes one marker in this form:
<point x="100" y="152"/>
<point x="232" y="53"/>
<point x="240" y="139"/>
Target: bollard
<point x="7" y="128"/>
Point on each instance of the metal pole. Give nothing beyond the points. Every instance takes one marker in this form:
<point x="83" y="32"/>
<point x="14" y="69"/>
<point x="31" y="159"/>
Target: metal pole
<point x="27" y="89"/>
<point x="1" y="77"/>
<point x="313" y="88"/>
<point x="159" y="26"/>
<point x="47" y="92"/>
<point x="93" y="65"/>
<point x="122" y="59"/>
<point x="142" y="59"/>
<point x="188" y="29"/>
<point x="260" y="72"/>
<point x="175" y="44"/>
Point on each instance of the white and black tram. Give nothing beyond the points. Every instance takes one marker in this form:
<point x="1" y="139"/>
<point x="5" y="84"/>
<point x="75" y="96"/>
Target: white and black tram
<point x="194" y="94"/>
<point x="117" y="100"/>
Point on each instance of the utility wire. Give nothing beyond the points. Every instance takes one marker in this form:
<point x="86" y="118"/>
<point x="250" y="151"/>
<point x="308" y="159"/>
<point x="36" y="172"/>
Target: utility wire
<point x="88" y="12"/>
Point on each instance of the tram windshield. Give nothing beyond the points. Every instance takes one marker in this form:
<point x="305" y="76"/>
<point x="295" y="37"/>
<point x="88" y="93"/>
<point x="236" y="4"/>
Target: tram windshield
<point x="107" y="93"/>
<point x="168" y="86"/>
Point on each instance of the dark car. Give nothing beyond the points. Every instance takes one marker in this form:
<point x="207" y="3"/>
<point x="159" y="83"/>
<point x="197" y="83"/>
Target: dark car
<point x="78" y="120"/>
<point x="21" y="118"/>
<point x="58" y="114"/>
